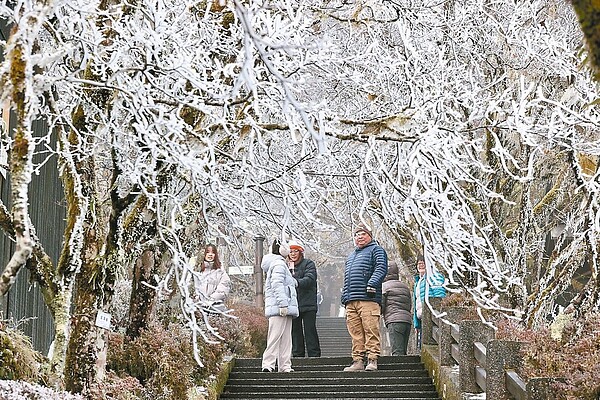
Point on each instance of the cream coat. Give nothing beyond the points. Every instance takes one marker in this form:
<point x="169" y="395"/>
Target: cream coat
<point x="210" y="284"/>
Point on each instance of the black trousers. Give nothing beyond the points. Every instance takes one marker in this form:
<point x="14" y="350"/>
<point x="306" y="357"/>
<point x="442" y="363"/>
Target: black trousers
<point x="304" y="335"/>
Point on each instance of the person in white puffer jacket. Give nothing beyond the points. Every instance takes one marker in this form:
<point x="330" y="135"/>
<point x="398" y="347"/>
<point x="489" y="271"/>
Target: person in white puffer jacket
<point x="281" y="307"/>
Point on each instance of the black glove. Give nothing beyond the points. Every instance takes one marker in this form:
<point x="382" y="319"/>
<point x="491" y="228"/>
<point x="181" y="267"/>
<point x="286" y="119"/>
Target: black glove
<point x="371" y="291"/>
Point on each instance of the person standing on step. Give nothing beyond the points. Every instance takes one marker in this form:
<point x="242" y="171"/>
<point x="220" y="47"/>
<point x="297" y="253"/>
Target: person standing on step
<point x="426" y="285"/>
<point x="304" y="328"/>
<point x="281" y="307"/>
<point x="365" y="269"/>
<point x="396" y="310"/>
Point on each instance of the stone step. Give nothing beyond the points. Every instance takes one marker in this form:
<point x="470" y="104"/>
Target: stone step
<point x="289" y="395"/>
<point x="339" y="367"/>
<point x="346" y="388"/>
<point x="401" y="377"/>
<point x="338" y="360"/>
<point x="345" y="378"/>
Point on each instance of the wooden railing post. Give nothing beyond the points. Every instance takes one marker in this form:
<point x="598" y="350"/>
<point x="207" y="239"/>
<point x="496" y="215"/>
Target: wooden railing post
<point x="471" y="332"/>
<point x="427" y="320"/>
<point x="454" y="315"/>
<point x="500" y="355"/>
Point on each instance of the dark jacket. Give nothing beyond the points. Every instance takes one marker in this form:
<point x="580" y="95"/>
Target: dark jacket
<point x="305" y="273"/>
<point x="364" y="267"/>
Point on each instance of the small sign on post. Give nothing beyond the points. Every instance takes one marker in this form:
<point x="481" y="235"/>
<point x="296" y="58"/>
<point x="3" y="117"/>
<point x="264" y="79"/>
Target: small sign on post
<point x="103" y="320"/>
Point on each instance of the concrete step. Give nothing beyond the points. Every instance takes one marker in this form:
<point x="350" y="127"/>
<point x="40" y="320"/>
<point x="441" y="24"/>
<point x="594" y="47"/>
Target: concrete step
<point x="342" y="378"/>
<point x="334" y="361"/>
<point x="335" y="391"/>
<point x="290" y="395"/>
<point x="327" y="372"/>
<point x="402" y="377"/>
<point x="333" y="336"/>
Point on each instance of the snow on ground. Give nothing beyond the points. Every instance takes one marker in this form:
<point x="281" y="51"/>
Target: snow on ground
<point x="19" y="390"/>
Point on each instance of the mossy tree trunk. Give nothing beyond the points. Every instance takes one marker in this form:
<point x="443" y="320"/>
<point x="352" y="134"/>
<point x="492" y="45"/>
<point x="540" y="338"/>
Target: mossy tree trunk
<point x="18" y="81"/>
<point x="85" y="338"/>
<point x="16" y="222"/>
<point x="588" y="12"/>
<point x="143" y="297"/>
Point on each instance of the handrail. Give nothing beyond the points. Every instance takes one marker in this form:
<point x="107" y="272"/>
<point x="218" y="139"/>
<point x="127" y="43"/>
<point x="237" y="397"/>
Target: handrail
<point x="455" y="332"/>
<point x="479" y="368"/>
<point x="480" y="354"/>
<point x="515" y="385"/>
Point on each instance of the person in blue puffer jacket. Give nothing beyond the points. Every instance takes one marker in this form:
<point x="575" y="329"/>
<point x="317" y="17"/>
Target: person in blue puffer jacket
<point x="430" y="285"/>
<point x="365" y="270"/>
<point x="281" y="307"/>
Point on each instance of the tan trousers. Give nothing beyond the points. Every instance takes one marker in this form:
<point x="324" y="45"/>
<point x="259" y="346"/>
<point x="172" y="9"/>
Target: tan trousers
<point x="362" y="320"/>
<point x="279" y="344"/>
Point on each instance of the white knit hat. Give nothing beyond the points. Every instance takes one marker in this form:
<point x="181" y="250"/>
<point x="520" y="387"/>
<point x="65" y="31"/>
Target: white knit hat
<point x="284" y="249"/>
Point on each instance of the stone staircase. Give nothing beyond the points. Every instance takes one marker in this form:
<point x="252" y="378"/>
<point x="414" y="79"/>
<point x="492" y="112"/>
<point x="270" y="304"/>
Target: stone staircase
<point x="334" y="337"/>
<point x="402" y="377"/>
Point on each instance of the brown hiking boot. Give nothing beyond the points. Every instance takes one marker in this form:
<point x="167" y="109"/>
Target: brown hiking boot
<point x="372" y="366"/>
<point x="356" y="366"/>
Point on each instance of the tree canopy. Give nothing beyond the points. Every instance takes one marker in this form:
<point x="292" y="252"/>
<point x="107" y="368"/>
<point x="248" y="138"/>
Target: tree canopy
<point x="461" y="129"/>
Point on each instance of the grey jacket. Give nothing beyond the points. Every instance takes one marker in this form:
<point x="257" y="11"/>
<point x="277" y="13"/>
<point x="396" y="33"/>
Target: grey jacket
<point x="396" y="303"/>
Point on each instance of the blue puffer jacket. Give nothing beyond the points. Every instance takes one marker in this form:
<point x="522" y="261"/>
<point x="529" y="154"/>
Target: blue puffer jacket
<point x="365" y="266"/>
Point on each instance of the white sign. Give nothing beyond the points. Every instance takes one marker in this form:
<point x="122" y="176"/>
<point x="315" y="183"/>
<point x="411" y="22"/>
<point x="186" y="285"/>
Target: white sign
<point x="103" y="320"/>
<point x="241" y="270"/>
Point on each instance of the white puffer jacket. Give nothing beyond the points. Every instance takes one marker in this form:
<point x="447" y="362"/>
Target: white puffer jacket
<point x="280" y="286"/>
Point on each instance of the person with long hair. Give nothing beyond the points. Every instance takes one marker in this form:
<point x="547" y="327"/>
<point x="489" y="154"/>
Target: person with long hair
<point x="211" y="281"/>
<point x="426" y="285"/>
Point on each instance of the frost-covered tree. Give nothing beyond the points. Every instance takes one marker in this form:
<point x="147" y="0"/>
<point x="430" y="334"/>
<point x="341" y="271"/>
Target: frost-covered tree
<point x="487" y="105"/>
<point x="152" y="107"/>
<point x="444" y="123"/>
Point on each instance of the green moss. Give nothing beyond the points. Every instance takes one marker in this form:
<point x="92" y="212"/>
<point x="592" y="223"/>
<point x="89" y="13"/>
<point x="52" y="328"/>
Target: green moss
<point x="216" y="387"/>
<point x="18" y="359"/>
<point x="228" y="20"/>
<point x="588" y="12"/>
<point x="17" y="78"/>
<point x="444" y="378"/>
